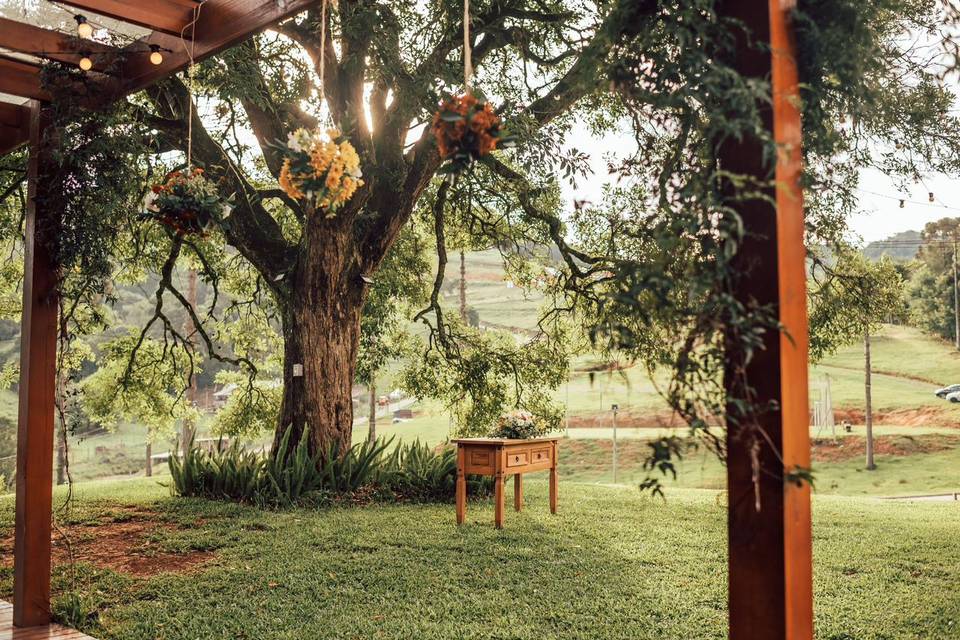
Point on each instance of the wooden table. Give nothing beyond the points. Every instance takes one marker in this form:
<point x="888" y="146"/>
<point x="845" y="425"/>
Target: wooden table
<point x="499" y="457"/>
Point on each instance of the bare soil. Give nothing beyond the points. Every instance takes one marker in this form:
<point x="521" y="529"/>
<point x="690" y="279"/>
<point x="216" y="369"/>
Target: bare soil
<point x="918" y="417"/>
<point x="829" y="450"/>
<point x="125" y="542"/>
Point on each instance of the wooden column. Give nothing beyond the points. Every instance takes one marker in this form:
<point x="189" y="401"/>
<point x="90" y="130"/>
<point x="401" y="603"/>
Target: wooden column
<point x="770" y="558"/>
<point x="38" y="354"/>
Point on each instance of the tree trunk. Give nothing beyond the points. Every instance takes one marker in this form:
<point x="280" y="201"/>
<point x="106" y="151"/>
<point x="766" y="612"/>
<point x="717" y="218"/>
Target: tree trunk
<point x="149" y="466"/>
<point x="186" y="431"/>
<point x="372" y="435"/>
<point x="61" y="453"/>
<point x="869" y="400"/>
<point x="321" y="331"/>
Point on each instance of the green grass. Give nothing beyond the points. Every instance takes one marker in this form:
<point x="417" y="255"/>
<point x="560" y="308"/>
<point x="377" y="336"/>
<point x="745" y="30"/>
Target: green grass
<point x="611" y="564"/>
<point x="922" y="473"/>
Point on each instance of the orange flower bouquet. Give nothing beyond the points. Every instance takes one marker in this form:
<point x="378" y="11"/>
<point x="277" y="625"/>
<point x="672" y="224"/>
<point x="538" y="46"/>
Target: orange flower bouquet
<point x="466" y="129"/>
<point x="322" y="169"/>
<point x="186" y="202"/>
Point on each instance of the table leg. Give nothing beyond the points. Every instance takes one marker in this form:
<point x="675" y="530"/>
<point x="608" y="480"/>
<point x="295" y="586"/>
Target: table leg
<point x="517" y="491"/>
<point x="461" y="487"/>
<point x="554" y="481"/>
<point x="498" y="499"/>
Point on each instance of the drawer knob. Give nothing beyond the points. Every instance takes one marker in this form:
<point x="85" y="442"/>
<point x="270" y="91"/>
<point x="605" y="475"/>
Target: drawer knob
<point x="516" y="458"/>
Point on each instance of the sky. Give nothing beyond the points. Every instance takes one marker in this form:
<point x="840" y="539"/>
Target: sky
<point x="880" y="217"/>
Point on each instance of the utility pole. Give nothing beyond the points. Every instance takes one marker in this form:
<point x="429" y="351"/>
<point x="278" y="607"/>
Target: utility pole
<point x="372" y="434"/>
<point x="463" y="286"/>
<point x="615" y="408"/>
<point x="869" y="399"/>
<point x="956" y="297"/>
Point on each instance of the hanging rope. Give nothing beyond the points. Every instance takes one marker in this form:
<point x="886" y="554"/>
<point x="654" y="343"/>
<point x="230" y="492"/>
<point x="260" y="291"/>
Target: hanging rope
<point x="190" y="84"/>
<point x="467" y="49"/>
<point x="323" y="49"/>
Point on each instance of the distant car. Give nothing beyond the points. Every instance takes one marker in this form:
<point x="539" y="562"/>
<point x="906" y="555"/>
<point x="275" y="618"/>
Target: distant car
<point x="943" y="393"/>
<point x="953" y="397"/>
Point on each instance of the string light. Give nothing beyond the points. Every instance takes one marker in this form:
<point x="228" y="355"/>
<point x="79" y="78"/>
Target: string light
<point x="155" y="56"/>
<point x="85" y="62"/>
<point x="84" y="28"/>
<point x="903" y="204"/>
<point x="930" y="197"/>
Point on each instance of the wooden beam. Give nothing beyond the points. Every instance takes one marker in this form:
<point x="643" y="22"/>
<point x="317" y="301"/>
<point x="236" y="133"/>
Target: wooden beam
<point x="769" y="531"/>
<point x="794" y="339"/>
<point x="165" y="16"/>
<point x="38" y="357"/>
<point x="220" y="25"/>
<point x="53" y="45"/>
<point x="21" y="79"/>
<point x="14" y="126"/>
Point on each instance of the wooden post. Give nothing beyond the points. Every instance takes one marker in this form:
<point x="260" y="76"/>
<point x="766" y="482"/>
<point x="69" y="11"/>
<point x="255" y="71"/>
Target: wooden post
<point x="554" y="479"/>
<point x="38" y="369"/>
<point x="770" y="550"/>
<point x="868" y="397"/>
<point x="500" y="463"/>
<point x="372" y="420"/>
<point x="461" y="485"/>
<point x="517" y="491"/>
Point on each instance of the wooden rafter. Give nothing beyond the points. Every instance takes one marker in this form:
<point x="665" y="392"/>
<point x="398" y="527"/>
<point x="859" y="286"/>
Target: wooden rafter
<point x="167" y="16"/>
<point x="220" y="25"/>
<point x="14" y="126"/>
<point x="21" y="79"/>
<point x="52" y="45"/>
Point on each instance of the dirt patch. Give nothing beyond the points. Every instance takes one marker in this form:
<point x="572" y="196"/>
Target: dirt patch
<point x="919" y="417"/>
<point x="126" y="541"/>
<point x="829" y="450"/>
<point x="604" y="420"/>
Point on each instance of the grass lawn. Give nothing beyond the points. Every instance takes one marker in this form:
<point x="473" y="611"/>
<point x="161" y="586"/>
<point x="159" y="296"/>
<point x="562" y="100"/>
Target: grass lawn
<point x="612" y="564"/>
<point x="896" y="475"/>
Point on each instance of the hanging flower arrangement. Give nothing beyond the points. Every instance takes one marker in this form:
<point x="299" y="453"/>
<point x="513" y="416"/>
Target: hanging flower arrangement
<point x="466" y="129"/>
<point x="322" y="169"/>
<point x="186" y="202"/>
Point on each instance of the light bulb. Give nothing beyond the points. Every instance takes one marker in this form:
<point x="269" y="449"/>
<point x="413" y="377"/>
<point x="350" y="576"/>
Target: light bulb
<point x="86" y="63"/>
<point x="84" y="28"/>
<point x="155" y="56"/>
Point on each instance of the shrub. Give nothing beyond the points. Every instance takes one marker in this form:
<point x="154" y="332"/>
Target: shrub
<point x="411" y="472"/>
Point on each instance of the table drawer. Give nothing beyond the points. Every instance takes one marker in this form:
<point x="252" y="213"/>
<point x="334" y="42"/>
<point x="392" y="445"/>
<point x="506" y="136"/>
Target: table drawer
<point x="518" y="458"/>
<point x="539" y="456"/>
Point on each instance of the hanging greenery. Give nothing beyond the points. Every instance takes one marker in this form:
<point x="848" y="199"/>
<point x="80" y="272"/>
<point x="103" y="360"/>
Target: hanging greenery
<point x="186" y="202"/>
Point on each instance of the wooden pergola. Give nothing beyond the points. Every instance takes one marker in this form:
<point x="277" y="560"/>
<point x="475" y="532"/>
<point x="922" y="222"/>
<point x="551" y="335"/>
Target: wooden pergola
<point x="770" y="560"/>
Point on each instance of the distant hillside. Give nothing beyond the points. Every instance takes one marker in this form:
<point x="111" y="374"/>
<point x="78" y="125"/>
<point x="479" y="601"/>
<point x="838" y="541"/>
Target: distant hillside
<point x="900" y="246"/>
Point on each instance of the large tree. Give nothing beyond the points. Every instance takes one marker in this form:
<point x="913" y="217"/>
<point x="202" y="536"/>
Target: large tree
<point x="652" y="262"/>
<point x="384" y="69"/>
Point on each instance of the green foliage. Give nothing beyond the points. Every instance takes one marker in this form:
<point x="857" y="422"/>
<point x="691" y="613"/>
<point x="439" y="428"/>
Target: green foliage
<point x="287" y="478"/>
<point x="147" y="394"/>
<point x="931" y="297"/>
<point x="931" y="291"/>
<point x="251" y="410"/>
<point x="852" y="297"/>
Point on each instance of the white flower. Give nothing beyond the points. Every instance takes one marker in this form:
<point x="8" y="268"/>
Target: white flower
<point x="299" y="140"/>
<point x="149" y="203"/>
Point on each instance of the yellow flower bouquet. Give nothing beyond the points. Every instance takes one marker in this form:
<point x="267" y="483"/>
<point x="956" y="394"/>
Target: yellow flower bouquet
<point x="321" y="168"/>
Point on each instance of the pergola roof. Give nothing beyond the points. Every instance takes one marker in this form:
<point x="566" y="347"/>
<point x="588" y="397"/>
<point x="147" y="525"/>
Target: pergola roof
<point x="124" y="30"/>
